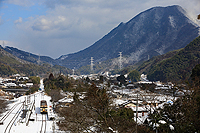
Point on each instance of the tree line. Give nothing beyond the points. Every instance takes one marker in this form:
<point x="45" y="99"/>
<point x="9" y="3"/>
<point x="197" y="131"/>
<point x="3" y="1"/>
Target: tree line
<point x="96" y="109"/>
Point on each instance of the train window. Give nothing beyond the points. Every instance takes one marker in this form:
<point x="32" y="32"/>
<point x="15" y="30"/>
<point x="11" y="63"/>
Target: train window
<point x="43" y="103"/>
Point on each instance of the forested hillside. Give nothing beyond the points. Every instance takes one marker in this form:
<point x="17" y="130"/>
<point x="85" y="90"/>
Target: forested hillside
<point x="173" y="66"/>
<point x="10" y="64"/>
<point x="147" y="65"/>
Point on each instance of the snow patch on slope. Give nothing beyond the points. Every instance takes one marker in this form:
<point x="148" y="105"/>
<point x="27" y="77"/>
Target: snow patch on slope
<point x="191" y="17"/>
<point x="157" y="18"/>
<point x="63" y="57"/>
<point x="172" y="22"/>
<point x="135" y="56"/>
<point x="161" y="50"/>
<point x="199" y="31"/>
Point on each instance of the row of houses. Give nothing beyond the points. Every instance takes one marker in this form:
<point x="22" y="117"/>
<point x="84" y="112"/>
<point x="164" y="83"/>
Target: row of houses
<point x="15" y="81"/>
<point x="125" y="96"/>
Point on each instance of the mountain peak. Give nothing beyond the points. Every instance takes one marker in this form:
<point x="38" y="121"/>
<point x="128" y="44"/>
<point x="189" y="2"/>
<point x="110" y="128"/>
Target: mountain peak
<point x="150" y="33"/>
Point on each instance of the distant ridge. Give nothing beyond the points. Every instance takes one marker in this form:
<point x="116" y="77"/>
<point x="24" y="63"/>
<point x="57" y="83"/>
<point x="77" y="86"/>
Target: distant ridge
<point x="153" y="32"/>
<point x="28" y="56"/>
<point x="11" y="64"/>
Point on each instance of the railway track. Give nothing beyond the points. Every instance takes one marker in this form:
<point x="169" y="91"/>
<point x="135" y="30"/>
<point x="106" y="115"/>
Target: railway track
<point x="44" y="123"/>
<point x="8" y="113"/>
<point x="14" y="118"/>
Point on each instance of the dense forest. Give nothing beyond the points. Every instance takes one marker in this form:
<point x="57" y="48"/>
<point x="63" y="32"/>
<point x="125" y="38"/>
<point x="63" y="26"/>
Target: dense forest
<point x="174" y="66"/>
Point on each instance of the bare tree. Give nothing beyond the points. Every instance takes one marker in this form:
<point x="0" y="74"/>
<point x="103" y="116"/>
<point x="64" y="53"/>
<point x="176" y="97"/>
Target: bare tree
<point x="55" y="94"/>
<point x="94" y="114"/>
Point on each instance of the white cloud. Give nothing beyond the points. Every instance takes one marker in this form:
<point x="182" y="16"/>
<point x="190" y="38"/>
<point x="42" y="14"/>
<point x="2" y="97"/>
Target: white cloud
<point x="18" y="20"/>
<point x="72" y="25"/>
<point x="21" y="2"/>
<point x="44" y="23"/>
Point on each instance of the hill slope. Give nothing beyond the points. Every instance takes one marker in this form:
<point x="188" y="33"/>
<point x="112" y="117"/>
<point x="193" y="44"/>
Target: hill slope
<point x="10" y="64"/>
<point x="153" y="32"/>
<point x="29" y="56"/>
<point x="176" y="66"/>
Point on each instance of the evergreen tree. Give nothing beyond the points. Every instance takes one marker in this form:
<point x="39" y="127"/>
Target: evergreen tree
<point x="134" y="76"/>
<point x="121" y="79"/>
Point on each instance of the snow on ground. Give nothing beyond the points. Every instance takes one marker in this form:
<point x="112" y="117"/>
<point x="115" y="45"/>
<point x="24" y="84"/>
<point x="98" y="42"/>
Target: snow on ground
<point x="34" y="126"/>
<point x="20" y="125"/>
<point x="143" y="110"/>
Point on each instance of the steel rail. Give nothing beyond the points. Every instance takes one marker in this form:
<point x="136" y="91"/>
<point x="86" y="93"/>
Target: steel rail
<point x="9" y="112"/>
<point x="43" y="126"/>
<point x="13" y="120"/>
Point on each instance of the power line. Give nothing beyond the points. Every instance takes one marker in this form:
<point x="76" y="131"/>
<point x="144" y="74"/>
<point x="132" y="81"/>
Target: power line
<point x="120" y="60"/>
<point x="92" y="64"/>
<point x="73" y="71"/>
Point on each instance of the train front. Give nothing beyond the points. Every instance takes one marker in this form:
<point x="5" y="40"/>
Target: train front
<point x="43" y="107"/>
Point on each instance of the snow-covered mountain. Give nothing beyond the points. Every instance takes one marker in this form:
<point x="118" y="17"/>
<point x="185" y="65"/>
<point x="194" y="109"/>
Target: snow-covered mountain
<point x="153" y="32"/>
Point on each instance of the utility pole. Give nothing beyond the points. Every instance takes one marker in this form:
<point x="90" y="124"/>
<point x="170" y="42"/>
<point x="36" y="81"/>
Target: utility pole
<point x="136" y="112"/>
<point x="120" y="60"/>
<point x="60" y="64"/>
<point x="72" y="71"/>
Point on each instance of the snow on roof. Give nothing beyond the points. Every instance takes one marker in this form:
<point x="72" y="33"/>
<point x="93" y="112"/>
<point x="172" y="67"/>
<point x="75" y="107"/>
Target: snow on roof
<point x="130" y="85"/>
<point x="119" y="101"/>
<point x="10" y="84"/>
<point x="162" y="121"/>
<point x="66" y="100"/>
<point x="16" y="75"/>
<point x="145" y="82"/>
<point x="171" y="127"/>
<point x="140" y="109"/>
<point x="29" y="84"/>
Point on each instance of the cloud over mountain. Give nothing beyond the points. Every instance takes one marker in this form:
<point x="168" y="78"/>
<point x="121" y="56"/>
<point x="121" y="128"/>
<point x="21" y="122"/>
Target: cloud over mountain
<point x="153" y="32"/>
<point x="73" y="25"/>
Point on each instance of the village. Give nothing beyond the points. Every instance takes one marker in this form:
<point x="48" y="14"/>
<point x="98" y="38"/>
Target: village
<point x="143" y="97"/>
<point x="14" y="86"/>
<point x="133" y="95"/>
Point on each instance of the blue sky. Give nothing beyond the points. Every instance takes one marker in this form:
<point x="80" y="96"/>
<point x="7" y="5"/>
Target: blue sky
<point x="10" y="13"/>
<point x="60" y="27"/>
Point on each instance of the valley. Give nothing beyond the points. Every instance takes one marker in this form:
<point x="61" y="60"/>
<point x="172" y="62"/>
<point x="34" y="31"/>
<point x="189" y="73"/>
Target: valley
<point x="141" y="77"/>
